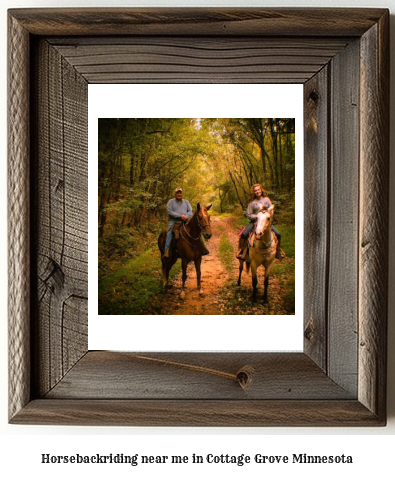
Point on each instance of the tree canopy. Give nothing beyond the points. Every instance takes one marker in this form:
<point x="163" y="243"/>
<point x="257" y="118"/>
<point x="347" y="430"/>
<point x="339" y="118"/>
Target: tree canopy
<point x="142" y="160"/>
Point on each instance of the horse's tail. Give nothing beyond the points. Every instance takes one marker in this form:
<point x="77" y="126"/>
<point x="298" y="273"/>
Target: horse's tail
<point x="162" y="241"/>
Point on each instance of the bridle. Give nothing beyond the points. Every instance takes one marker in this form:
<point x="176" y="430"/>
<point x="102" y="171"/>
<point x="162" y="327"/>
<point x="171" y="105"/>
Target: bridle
<point x="201" y="227"/>
<point x="267" y="245"/>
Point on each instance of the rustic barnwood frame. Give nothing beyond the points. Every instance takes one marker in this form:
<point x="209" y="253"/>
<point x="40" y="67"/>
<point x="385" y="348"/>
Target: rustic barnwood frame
<point x="342" y="58"/>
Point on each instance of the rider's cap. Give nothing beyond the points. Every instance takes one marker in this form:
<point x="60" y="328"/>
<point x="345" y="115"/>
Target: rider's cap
<point x="177" y="189"/>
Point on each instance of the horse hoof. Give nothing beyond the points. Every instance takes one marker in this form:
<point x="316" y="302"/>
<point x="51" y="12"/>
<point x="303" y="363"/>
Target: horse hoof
<point x="182" y="295"/>
<point x="202" y="294"/>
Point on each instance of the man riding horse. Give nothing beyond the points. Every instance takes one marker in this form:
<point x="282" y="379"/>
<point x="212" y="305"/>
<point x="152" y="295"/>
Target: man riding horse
<point x="178" y="210"/>
<point x="258" y="201"/>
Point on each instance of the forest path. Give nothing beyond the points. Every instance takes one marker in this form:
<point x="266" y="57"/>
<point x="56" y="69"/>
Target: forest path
<point x="214" y="275"/>
<point x="219" y="277"/>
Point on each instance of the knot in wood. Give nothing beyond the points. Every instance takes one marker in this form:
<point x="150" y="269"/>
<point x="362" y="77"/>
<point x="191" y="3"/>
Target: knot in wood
<point x="308" y="332"/>
<point x="313" y="96"/>
<point x="244" y="376"/>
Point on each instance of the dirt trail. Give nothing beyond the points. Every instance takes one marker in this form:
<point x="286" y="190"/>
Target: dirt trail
<point x="214" y="276"/>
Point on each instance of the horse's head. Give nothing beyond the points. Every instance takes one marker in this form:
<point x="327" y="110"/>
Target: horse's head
<point x="263" y="223"/>
<point x="204" y="220"/>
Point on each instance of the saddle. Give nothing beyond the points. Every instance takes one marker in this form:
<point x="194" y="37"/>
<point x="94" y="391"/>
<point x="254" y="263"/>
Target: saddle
<point x="244" y="249"/>
<point x="176" y="235"/>
<point x="251" y="238"/>
<point x="176" y="229"/>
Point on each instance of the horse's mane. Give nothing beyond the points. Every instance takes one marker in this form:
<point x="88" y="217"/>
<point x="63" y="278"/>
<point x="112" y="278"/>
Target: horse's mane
<point x="190" y="218"/>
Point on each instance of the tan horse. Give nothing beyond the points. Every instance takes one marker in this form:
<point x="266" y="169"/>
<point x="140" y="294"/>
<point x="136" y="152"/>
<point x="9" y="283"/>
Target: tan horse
<point x="188" y="247"/>
<point x="262" y="248"/>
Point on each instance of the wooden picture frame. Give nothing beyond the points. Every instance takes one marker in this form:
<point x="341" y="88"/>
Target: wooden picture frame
<point x="342" y="58"/>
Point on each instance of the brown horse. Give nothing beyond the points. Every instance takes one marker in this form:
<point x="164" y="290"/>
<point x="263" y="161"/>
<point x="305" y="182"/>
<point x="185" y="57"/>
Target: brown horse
<point x="188" y="246"/>
<point x="262" y="247"/>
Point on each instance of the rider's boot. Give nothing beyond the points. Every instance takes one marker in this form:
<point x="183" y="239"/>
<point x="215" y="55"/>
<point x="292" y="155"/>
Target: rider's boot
<point x="176" y="229"/>
<point x="166" y="255"/>
<point x="241" y="255"/>
<point x="280" y="254"/>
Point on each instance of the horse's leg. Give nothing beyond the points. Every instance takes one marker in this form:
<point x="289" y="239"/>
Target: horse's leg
<point x="198" y="263"/>
<point x="165" y="274"/>
<point x="184" y="277"/>
<point x="254" y="281"/>
<point x="241" y="267"/>
<point x="266" y="286"/>
<point x="266" y="283"/>
<point x="167" y="264"/>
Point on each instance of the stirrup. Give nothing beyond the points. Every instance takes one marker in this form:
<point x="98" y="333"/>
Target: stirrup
<point x="280" y="254"/>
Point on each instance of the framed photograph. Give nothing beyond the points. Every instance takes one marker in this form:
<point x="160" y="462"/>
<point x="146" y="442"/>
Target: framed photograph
<point x="340" y="60"/>
<point x="216" y="159"/>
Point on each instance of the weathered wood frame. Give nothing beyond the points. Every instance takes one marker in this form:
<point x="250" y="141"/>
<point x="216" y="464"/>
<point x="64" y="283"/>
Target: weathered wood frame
<point x="342" y="57"/>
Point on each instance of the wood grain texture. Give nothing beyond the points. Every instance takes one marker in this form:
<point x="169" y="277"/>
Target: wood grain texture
<point x="373" y="236"/>
<point x="259" y="22"/>
<point x="18" y="218"/>
<point x="186" y="60"/>
<point x="202" y="413"/>
<point x="284" y="376"/>
<point x="314" y="388"/>
<point x="316" y="213"/>
<point x="61" y="198"/>
<point x="343" y="219"/>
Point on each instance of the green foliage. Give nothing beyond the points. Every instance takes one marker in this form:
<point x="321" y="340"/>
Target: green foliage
<point x="226" y="252"/>
<point x="237" y="300"/>
<point x="123" y="243"/>
<point x="285" y="272"/>
<point x="118" y="244"/>
<point x="130" y="290"/>
<point x="142" y="160"/>
<point x="249" y="151"/>
<point x="214" y="160"/>
<point x="287" y="238"/>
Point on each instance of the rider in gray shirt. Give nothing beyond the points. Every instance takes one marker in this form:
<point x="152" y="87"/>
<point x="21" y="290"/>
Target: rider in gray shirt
<point x="258" y="202"/>
<point x="178" y="209"/>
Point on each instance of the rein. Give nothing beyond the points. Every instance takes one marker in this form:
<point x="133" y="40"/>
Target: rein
<point x="201" y="226"/>
<point x="267" y="246"/>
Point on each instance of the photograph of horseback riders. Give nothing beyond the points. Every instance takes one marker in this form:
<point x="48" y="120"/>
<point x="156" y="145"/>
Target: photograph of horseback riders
<point x="196" y="216"/>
